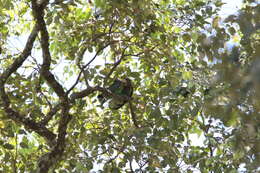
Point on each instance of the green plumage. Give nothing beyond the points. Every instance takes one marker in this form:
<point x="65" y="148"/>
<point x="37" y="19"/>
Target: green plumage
<point x="121" y="88"/>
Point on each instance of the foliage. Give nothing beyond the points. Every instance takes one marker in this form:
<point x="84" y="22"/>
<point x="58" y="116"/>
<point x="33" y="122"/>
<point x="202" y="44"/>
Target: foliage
<point x="195" y="75"/>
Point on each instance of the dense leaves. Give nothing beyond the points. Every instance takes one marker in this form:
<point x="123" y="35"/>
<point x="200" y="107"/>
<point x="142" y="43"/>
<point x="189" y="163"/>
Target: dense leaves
<point x="195" y="74"/>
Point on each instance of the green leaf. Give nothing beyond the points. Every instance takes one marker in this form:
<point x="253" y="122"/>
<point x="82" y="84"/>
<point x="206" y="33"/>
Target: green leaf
<point x="8" y="146"/>
<point x="24" y="145"/>
<point x="187" y="75"/>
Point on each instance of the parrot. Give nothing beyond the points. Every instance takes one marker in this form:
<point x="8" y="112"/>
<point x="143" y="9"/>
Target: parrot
<point x="119" y="87"/>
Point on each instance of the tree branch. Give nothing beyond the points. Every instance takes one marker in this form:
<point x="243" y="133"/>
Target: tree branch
<point x="133" y="115"/>
<point x="105" y="91"/>
<point x="115" y="66"/>
<point x="52" y="157"/>
<point x="38" y="128"/>
<point x="5" y="101"/>
<point x="38" y="11"/>
<point x="83" y="67"/>
<point x="50" y="114"/>
<point x="24" y="55"/>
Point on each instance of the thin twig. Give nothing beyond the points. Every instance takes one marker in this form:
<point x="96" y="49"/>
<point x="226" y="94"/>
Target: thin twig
<point x="114" y="67"/>
<point x="86" y="65"/>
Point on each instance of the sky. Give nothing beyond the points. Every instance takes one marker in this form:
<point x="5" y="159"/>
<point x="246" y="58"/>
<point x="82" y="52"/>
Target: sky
<point x="230" y="7"/>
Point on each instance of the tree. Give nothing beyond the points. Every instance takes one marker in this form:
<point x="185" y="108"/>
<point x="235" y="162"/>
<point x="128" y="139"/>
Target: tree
<point x="187" y="82"/>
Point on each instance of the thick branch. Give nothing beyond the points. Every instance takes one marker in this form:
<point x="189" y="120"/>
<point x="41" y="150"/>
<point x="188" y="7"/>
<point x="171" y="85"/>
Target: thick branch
<point x="14" y="115"/>
<point x="52" y="157"/>
<point x="82" y="93"/>
<point x="91" y="90"/>
<point x="36" y="127"/>
<point x="45" y="69"/>
<point x="24" y="55"/>
<point x="49" y="159"/>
